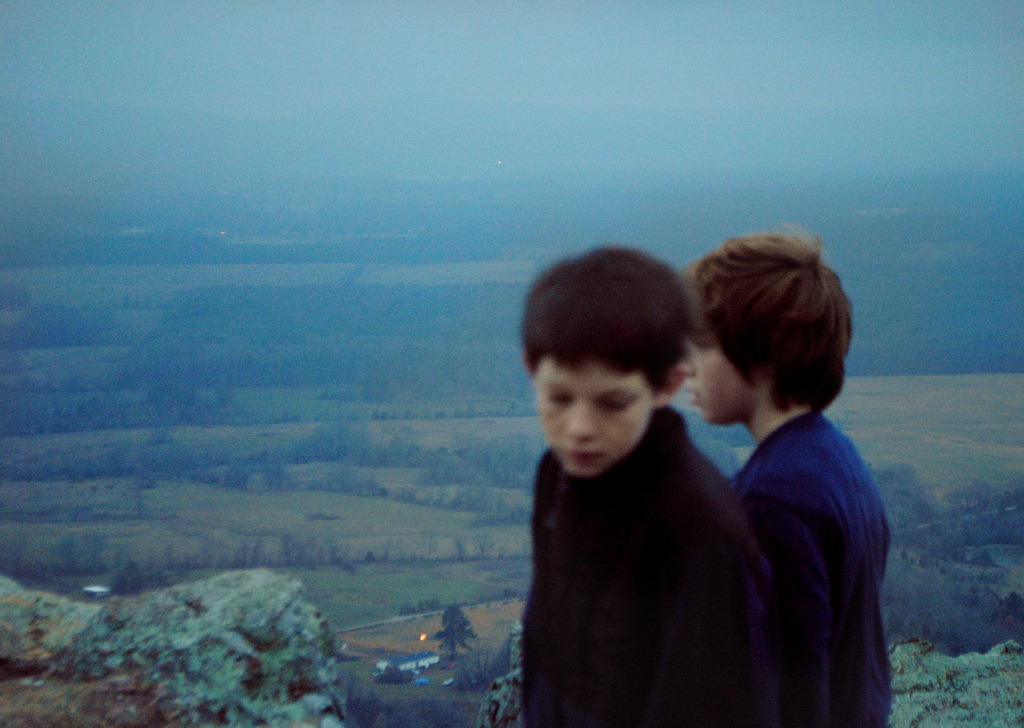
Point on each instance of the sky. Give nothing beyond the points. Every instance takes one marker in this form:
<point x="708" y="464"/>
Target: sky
<point x="159" y="95"/>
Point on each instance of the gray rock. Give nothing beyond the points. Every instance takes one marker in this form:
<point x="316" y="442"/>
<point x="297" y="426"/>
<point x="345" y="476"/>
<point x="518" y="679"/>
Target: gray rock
<point x="317" y="703"/>
<point x="932" y="690"/>
<point x="241" y="649"/>
<point x="8" y="586"/>
<point x="503" y="703"/>
<point x="35" y="625"/>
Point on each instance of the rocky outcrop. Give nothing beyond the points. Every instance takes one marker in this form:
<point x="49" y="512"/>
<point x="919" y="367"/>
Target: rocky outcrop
<point x="34" y="626"/>
<point x="8" y="586"/>
<point x="240" y="649"/>
<point x="930" y="690"/>
<point x="501" y="706"/>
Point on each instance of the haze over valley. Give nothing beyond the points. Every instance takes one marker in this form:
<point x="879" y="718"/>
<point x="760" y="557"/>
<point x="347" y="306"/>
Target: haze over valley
<point x="261" y="274"/>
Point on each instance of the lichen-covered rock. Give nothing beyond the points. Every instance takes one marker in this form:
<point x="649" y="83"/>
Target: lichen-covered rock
<point x="8" y="586"/>
<point x="241" y="649"/>
<point x="502" y="705"/>
<point x="34" y="626"/>
<point x="932" y="690"/>
<point x="115" y="702"/>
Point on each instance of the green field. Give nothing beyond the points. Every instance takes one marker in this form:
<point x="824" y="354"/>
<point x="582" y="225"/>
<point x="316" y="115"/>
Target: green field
<point x="373" y="592"/>
<point x="218" y="527"/>
<point x="223" y="416"/>
<point x="951" y="429"/>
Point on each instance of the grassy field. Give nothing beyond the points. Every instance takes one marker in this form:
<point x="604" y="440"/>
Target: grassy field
<point x="453" y="432"/>
<point x="196" y="523"/>
<point x="491" y="623"/>
<point x="952" y="429"/>
<point x="370" y="593"/>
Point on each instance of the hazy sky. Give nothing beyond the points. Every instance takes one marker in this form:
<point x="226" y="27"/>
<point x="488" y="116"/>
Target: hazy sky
<point x="158" y="93"/>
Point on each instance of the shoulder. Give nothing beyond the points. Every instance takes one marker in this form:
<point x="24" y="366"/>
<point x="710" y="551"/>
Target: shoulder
<point x="686" y="482"/>
<point x="808" y="464"/>
<point x="696" y="507"/>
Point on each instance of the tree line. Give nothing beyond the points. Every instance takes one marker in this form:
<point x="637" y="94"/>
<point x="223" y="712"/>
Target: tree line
<point x="943" y="582"/>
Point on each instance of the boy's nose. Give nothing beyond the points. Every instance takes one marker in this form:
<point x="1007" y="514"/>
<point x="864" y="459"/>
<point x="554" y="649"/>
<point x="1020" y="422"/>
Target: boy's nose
<point x="580" y="422"/>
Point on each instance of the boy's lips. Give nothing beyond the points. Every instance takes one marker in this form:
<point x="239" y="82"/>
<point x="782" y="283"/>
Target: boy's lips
<point x="584" y="457"/>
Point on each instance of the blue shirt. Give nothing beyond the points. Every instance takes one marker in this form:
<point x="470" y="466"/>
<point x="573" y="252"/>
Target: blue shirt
<point x="819" y="517"/>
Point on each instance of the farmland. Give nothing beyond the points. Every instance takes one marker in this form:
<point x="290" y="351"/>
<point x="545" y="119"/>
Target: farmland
<point x="952" y="429"/>
<point x="368" y="428"/>
<point x="377" y="550"/>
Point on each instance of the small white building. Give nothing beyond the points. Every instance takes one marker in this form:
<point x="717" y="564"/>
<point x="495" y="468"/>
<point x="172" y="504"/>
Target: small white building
<point x="96" y="591"/>
<point x="413" y="662"/>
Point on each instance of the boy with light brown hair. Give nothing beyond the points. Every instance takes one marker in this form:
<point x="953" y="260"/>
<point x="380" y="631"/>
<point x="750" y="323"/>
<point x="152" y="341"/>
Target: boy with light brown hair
<point x="775" y="327"/>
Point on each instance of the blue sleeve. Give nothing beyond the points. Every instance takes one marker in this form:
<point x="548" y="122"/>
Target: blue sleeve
<point x="719" y="664"/>
<point x="797" y="544"/>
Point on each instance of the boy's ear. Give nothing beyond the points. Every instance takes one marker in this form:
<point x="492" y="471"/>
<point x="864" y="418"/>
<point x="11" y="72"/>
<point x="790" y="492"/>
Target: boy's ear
<point x="673" y="383"/>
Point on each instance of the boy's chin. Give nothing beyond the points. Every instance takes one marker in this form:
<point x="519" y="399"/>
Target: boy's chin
<point x="713" y="419"/>
<point x="584" y="468"/>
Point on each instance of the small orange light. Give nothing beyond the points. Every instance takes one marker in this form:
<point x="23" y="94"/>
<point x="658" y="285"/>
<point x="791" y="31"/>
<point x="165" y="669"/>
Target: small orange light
<point x="423" y="637"/>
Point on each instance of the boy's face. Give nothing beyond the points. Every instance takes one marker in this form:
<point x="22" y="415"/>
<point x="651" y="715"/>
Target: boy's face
<point x="717" y="388"/>
<point x="592" y="415"/>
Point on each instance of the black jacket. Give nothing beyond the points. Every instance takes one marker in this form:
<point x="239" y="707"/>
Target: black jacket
<point x="648" y="605"/>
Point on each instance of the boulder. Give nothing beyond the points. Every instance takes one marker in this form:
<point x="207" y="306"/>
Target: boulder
<point x="241" y="649"/>
<point x="503" y="702"/>
<point x="8" y="586"/>
<point x="34" y="626"/>
<point x="932" y="690"/>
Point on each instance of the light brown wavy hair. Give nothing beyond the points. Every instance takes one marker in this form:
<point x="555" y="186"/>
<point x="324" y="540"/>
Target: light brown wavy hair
<point x="770" y="301"/>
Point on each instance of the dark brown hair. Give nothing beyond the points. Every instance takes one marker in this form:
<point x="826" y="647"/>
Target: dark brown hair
<point x="770" y="301"/>
<point x="617" y="305"/>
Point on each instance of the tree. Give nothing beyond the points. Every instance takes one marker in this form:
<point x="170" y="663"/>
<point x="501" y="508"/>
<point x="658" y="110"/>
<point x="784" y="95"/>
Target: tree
<point x="456" y="630"/>
<point x="129" y="579"/>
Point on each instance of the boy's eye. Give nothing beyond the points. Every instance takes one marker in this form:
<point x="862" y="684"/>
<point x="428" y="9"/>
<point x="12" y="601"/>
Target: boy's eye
<point x="700" y="343"/>
<point x="614" y="404"/>
<point x="559" y="398"/>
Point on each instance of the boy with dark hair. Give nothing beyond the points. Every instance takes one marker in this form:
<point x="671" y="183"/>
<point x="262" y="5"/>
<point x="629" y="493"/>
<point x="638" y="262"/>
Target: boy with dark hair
<point x="647" y="605"/>
<point x="769" y="351"/>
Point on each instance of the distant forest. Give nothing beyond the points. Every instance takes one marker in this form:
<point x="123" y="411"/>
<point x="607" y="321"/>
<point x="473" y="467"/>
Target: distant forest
<point x="178" y="363"/>
<point x="933" y="266"/>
